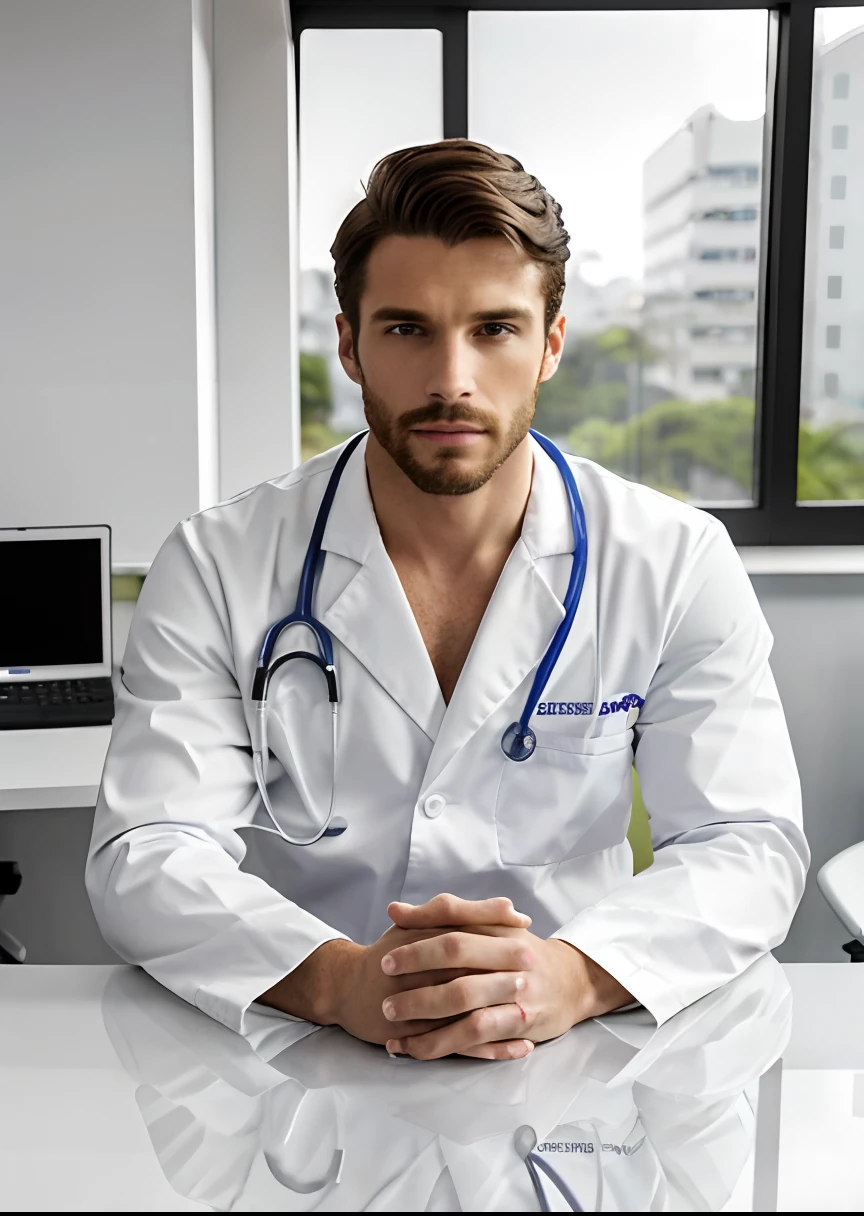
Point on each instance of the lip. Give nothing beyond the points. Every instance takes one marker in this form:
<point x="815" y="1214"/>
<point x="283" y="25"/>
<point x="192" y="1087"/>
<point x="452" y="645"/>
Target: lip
<point x="447" y="436"/>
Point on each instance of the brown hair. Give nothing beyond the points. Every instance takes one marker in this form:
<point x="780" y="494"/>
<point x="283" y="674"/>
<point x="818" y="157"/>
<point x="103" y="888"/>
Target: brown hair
<point x="455" y="190"/>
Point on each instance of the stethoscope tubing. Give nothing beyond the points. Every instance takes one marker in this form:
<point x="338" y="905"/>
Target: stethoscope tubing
<point x="518" y="741"/>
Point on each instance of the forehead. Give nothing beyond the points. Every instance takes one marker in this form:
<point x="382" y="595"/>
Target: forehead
<point x="423" y="272"/>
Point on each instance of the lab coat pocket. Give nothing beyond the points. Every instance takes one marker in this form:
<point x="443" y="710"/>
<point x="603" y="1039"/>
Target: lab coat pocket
<point x="572" y="797"/>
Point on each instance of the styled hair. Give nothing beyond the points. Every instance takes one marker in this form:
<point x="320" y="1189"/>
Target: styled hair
<point x="454" y="190"/>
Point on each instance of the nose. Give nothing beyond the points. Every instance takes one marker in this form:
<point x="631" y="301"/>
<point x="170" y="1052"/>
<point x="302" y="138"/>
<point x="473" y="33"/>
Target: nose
<point x="451" y="371"/>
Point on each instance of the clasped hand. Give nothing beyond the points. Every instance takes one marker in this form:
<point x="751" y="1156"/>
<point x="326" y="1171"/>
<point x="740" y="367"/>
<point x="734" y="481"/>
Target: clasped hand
<point x="467" y="977"/>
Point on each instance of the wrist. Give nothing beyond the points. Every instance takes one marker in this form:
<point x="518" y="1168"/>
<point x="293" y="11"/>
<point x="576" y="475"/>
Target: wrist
<point x="590" y="990"/>
<point x="336" y="980"/>
<point x="315" y="989"/>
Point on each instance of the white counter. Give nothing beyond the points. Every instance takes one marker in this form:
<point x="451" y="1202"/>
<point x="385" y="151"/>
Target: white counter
<point x="62" y="767"/>
<point x="116" y="1096"/>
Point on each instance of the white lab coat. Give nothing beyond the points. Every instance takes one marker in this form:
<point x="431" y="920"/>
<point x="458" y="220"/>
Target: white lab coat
<point x="667" y="613"/>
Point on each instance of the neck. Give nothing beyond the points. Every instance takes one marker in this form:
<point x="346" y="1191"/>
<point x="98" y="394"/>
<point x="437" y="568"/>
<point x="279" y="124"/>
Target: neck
<point x="449" y="532"/>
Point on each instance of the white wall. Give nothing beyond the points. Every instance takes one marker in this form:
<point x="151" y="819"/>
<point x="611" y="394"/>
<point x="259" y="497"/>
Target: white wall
<point x="97" y="292"/>
<point x="137" y="273"/>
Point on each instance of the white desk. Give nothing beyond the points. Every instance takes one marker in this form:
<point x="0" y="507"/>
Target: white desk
<point x="40" y="769"/>
<point x="114" y="1096"/>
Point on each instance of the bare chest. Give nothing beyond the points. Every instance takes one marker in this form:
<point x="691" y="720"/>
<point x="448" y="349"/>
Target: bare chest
<point x="448" y="616"/>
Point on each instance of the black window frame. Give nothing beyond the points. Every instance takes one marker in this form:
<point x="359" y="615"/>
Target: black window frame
<point x="776" y="517"/>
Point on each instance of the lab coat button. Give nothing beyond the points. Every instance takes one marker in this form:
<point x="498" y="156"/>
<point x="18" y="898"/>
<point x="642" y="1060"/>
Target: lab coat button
<point x="434" y="805"/>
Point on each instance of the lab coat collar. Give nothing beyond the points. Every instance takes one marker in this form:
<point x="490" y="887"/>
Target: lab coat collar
<point x="546" y="529"/>
<point x="371" y="616"/>
<point x="351" y="526"/>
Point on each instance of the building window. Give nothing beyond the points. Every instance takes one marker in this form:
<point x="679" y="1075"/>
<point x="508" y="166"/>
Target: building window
<point x="836" y="234"/>
<point x="840" y="136"/>
<point x="841" y="86"/>
<point x="748" y="254"/>
<point x="735" y="174"/>
<point x="838" y="186"/>
<point x="832" y="384"/>
<point x="835" y="286"/>
<point x="726" y="295"/>
<point x="832" y="337"/>
<point x="726" y="214"/>
<point x="723" y="333"/>
<point x="708" y="375"/>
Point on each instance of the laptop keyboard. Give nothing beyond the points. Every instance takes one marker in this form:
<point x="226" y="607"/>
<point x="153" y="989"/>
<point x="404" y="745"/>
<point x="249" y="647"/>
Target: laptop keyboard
<point x="44" y="703"/>
<point x="57" y="692"/>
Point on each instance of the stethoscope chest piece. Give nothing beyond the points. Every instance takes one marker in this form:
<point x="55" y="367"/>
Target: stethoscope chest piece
<point x="518" y="742"/>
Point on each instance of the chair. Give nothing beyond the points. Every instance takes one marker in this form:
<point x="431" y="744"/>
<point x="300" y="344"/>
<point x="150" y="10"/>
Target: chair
<point x="841" y="881"/>
<point x="11" y="950"/>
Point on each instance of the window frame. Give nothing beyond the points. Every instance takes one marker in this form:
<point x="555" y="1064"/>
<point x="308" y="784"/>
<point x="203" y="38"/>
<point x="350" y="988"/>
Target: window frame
<point x="775" y="518"/>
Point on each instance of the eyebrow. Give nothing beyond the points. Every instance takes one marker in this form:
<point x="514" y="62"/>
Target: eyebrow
<point x="412" y="316"/>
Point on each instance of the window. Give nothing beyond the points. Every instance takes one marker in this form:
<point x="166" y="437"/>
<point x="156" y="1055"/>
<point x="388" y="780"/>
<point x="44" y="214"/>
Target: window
<point x="642" y="171"/>
<point x="348" y="120"/>
<point x="841" y="86"/>
<point x="733" y="174"/>
<point x="831" y="428"/>
<point x="730" y="214"/>
<point x="729" y="295"/>
<point x="648" y="125"/>
<point x="723" y="333"/>
<point x="727" y="255"/>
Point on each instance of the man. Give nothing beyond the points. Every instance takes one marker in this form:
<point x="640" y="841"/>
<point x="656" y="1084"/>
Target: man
<point x="446" y="558"/>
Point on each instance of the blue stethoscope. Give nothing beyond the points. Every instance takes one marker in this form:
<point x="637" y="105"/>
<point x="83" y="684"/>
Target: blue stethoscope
<point x="525" y="1141"/>
<point x="518" y="741"/>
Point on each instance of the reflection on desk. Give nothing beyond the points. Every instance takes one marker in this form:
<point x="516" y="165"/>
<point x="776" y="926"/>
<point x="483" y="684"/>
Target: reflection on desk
<point x="290" y="1117"/>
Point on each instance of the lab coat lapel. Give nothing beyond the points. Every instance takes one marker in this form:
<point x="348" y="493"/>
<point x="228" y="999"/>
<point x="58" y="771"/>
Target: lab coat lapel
<point x="520" y="620"/>
<point x="371" y="615"/>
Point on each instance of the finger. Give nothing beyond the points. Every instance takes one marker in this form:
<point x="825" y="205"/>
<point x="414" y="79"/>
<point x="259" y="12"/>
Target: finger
<point x="507" y="1049"/>
<point x="451" y="910"/>
<point x="493" y="1024"/>
<point x="460" y="950"/>
<point x="458" y="996"/>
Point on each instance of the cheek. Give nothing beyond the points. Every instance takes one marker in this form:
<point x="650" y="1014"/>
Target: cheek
<point x="389" y="370"/>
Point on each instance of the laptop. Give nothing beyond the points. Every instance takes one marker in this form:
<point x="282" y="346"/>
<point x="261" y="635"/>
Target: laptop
<point x="55" y="627"/>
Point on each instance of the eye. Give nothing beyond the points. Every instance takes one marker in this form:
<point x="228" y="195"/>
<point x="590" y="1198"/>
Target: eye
<point x="499" y="326"/>
<point x="397" y="329"/>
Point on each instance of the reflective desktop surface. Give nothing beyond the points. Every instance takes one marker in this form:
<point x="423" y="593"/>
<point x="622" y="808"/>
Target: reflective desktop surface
<point x="117" y="1096"/>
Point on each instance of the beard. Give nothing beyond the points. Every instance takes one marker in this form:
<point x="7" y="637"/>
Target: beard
<point x="446" y="474"/>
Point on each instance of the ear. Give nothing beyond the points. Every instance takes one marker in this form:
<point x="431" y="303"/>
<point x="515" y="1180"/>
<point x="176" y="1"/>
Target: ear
<point x="347" y="353"/>
<point x="554" y="348"/>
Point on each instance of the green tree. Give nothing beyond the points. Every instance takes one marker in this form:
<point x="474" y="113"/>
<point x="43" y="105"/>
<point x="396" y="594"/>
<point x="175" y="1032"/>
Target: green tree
<point x="594" y="380"/>
<point x="316" y="398"/>
<point x="674" y="438"/>
<point x="830" y="464"/>
<point x="316" y="407"/>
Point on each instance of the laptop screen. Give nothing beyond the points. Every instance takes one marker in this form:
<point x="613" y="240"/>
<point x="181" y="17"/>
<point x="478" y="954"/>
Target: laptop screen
<point x="51" y="603"/>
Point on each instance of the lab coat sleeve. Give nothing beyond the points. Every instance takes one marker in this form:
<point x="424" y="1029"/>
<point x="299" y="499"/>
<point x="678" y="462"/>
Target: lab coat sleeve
<point x="163" y="871"/>
<point x="720" y="785"/>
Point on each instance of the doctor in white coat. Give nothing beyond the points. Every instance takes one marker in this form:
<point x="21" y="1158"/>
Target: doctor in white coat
<point x="474" y="904"/>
